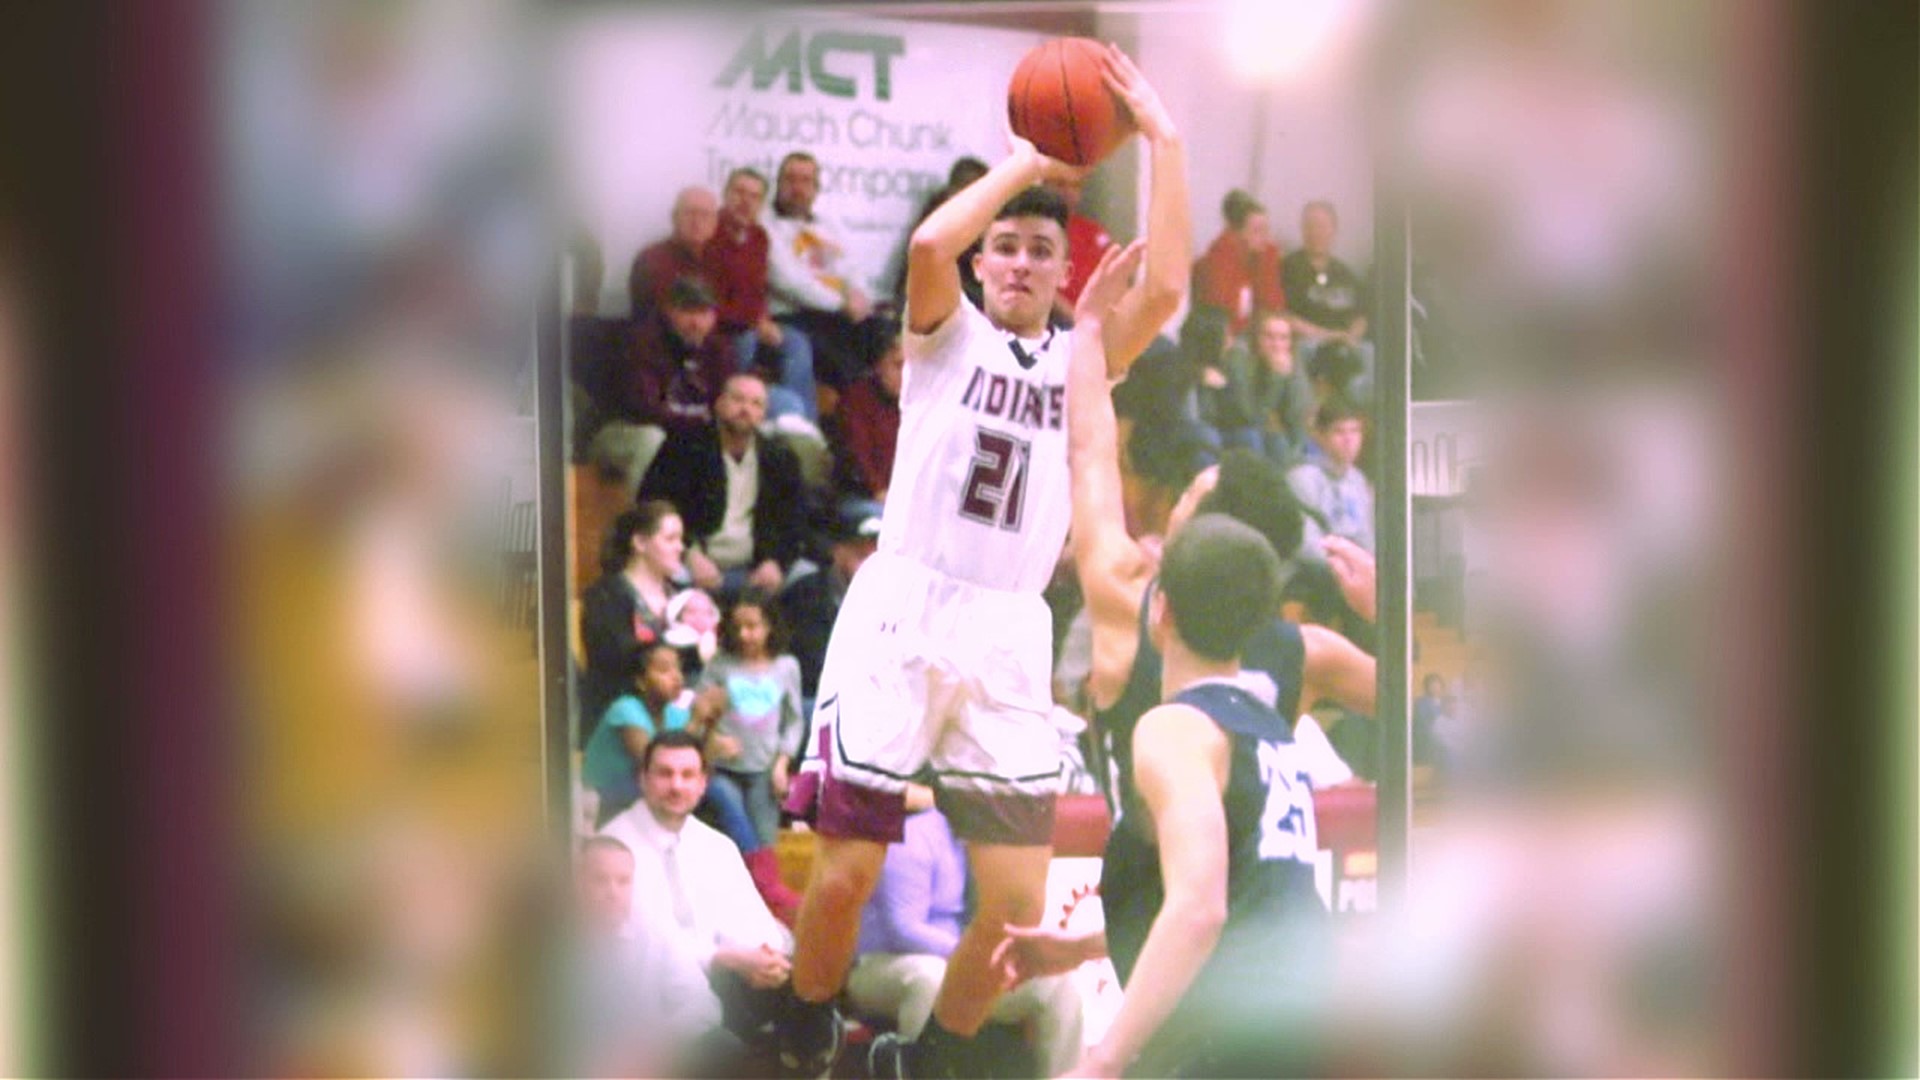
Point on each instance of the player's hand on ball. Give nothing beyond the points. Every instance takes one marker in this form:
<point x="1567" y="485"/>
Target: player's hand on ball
<point x="1125" y="79"/>
<point x="1046" y="167"/>
<point x="1109" y="281"/>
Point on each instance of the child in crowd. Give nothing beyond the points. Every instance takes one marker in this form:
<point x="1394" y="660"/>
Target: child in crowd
<point x="751" y="689"/>
<point x="659" y="702"/>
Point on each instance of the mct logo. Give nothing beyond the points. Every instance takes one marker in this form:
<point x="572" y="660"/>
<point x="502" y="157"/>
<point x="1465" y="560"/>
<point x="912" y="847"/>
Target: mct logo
<point x="785" y="60"/>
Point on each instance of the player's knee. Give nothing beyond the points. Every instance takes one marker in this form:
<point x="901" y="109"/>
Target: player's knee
<point x="846" y="881"/>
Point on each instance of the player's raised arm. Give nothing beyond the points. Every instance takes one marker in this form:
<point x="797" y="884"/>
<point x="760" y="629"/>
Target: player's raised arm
<point x="1146" y="308"/>
<point x="1105" y="557"/>
<point x="1180" y="768"/>
<point x="1336" y="668"/>
<point x="934" y="250"/>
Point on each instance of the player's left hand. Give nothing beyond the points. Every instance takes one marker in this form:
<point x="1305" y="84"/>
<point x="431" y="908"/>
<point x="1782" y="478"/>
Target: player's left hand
<point x="1109" y="281"/>
<point x="1046" y="168"/>
<point x="1125" y="79"/>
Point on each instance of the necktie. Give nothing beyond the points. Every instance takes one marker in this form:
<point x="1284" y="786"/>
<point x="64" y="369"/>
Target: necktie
<point x="676" y="886"/>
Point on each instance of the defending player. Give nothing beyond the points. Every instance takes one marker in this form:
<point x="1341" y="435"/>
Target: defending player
<point x="941" y="656"/>
<point x="1212" y="919"/>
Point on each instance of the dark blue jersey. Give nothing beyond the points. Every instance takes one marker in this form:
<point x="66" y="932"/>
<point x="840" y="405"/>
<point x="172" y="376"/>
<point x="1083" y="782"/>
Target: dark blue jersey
<point x="1275" y="651"/>
<point x="1271" y="898"/>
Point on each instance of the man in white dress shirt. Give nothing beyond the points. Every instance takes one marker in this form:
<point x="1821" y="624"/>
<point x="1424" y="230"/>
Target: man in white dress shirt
<point x="691" y="880"/>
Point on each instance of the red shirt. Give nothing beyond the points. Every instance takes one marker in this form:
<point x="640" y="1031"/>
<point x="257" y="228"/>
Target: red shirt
<point x="1238" y="280"/>
<point x="734" y="266"/>
<point x="655" y="270"/>
<point x="1087" y="240"/>
<point x="869" y="423"/>
<point x="736" y="261"/>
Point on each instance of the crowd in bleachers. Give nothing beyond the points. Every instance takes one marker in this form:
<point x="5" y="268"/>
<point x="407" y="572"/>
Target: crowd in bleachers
<point x="745" y="411"/>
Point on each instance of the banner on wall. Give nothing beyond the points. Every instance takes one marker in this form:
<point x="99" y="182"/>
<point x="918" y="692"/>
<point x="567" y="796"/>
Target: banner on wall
<point x="654" y="103"/>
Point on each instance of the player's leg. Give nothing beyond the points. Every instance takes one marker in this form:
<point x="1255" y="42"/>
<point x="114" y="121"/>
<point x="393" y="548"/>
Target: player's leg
<point x="845" y="871"/>
<point x="1010" y="885"/>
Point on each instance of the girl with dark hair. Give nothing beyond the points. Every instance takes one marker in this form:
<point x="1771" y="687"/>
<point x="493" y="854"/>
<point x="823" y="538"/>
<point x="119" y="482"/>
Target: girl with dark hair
<point x="750" y="693"/>
<point x="626" y="610"/>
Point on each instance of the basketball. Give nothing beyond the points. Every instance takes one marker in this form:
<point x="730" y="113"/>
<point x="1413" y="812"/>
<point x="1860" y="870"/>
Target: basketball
<point x="1059" y="102"/>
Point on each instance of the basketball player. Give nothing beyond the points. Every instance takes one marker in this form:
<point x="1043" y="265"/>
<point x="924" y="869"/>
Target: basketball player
<point x="1212" y="918"/>
<point x="941" y="656"/>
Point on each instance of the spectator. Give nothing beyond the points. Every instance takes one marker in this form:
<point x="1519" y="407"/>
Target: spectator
<point x="867" y="428"/>
<point x="737" y="262"/>
<point x="696" y="216"/>
<point x="912" y="923"/>
<point x="712" y="908"/>
<point x="626" y="609"/>
<point x="1266" y="404"/>
<point x="811" y="603"/>
<point x="1087" y="241"/>
<point x="1326" y="300"/>
<point x="672" y="370"/>
<point x="1337" y="496"/>
<point x="641" y="1004"/>
<point x="814" y="285"/>
<point x="741" y="494"/>
<point x="755" y="688"/>
<point x="1240" y="273"/>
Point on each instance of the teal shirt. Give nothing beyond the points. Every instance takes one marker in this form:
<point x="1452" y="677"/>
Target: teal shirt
<point x="608" y="768"/>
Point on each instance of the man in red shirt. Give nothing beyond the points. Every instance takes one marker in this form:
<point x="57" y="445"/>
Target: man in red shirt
<point x="736" y="258"/>
<point x="696" y="215"/>
<point x="1240" y="273"/>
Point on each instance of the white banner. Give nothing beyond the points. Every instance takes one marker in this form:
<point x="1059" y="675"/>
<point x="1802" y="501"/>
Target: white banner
<point x="652" y="102"/>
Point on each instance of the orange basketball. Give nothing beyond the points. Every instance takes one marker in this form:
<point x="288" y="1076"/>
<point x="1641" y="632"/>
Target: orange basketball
<point x="1058" y="101"/>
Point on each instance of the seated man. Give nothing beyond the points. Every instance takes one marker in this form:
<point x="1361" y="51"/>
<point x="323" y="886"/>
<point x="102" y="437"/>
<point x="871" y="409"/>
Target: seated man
<point x="1326" y="300"/>
<point x="708" y="903"/>
<point x="912" y="924"/>
<point x="740" y="495"/>
<point x="814" y="285"/>
<point x="640" y="1005"/>
<point x="737" y="260"/>
<point x="666" y="382"/>
<point x="1337" y="495"/>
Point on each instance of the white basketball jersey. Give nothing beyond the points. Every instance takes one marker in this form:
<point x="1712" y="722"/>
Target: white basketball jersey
<point x="980" y="490"/>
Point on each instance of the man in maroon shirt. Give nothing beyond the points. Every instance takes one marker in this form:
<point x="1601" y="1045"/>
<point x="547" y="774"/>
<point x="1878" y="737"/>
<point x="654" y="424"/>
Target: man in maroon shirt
<point x="867" y="426"/>
<point x="674" y="367"/>
<point x="736" y="260"/>
<point x="696" y="217"/>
